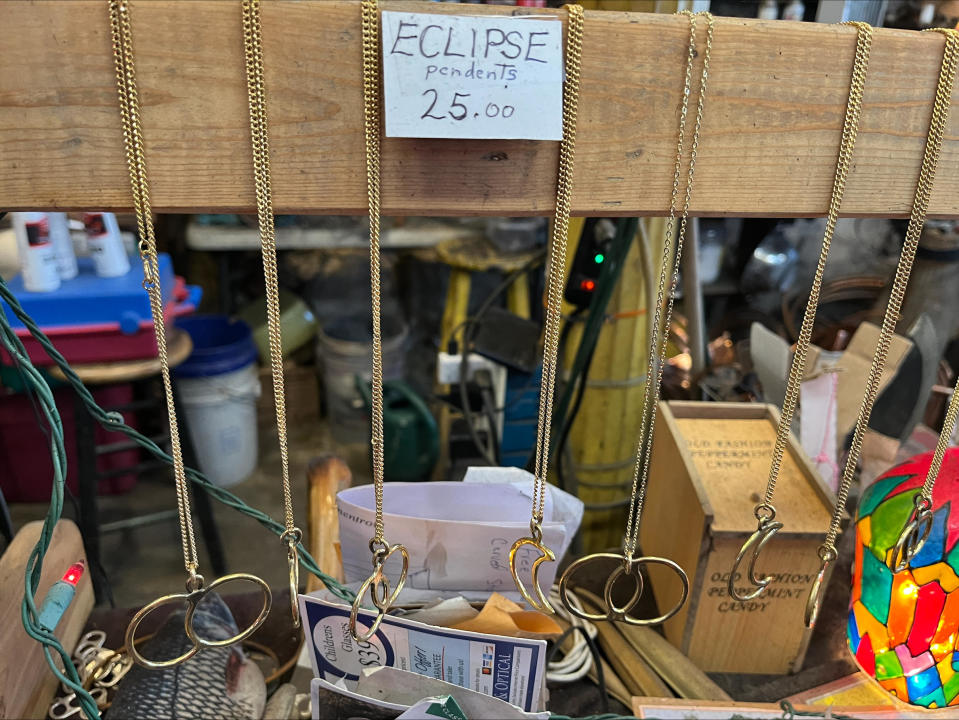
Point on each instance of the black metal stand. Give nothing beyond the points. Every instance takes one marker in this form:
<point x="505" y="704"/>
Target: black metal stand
<point x="89" y="521"/>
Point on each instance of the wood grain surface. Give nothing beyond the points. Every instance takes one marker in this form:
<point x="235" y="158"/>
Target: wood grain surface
<point x="28" y="684"/>
<point x="777" y="92"/>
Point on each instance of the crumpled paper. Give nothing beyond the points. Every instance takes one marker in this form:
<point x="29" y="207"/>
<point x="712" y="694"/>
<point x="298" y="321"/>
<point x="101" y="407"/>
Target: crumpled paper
<point x="501" y="616"/>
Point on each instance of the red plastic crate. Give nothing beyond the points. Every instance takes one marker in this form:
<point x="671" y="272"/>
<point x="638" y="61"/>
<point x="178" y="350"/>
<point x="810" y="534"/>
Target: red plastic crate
<point x="26" y="469"/>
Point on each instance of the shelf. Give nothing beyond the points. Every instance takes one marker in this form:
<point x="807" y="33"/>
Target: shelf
<point x="418" y="234"/>
<point x="777" y="93"/>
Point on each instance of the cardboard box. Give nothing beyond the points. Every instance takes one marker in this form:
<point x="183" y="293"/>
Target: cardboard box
<point x="853" y="365"/>
<point x="708" y="471"/>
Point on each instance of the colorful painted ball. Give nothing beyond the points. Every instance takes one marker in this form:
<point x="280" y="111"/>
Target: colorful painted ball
<point x="903" y="625"/>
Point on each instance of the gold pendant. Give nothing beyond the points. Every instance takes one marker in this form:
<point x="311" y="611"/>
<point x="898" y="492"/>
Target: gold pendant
<point x="195" y="594"/>
<point x="535" y="540"/>
<point x="756" y="542"/>
<point x="630" y="567"/>
<point x="818" y="590"/>
<point x="292" y="539"/>
<point x="913" y="535"/>
<point x="378" y="586"/>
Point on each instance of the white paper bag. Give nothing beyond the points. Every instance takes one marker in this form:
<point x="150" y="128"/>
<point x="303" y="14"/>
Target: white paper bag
<point x="458" y="534"/>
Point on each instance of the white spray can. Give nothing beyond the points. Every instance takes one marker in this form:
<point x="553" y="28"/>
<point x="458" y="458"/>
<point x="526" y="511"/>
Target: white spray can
<point x="105" y="244"/>
<point x="63" y="253"/>
<point x="37" y="261"/>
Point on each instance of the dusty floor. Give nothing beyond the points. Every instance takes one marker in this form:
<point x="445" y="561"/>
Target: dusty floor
<point x="144" y="562"/>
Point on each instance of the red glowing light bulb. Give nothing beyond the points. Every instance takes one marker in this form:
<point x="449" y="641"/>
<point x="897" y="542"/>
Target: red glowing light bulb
<point x="588" y="285"/>
<point x="74" y="573"/>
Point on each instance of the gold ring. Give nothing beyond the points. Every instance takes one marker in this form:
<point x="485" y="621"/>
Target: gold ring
<point x="377" y="579"/>
<point x="541" y="602"/>
<point x="197" y="597"/>
<point x="571" y="570"/>
<point x="130" y="637"/>
<point x="617" y="612"/>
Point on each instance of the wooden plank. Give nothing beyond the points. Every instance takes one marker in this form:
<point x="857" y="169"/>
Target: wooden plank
<point x="327" y="476"/>
<point x="28" y="683"/>
<point x="771" y="133"/>
<point x="636" y="674"/>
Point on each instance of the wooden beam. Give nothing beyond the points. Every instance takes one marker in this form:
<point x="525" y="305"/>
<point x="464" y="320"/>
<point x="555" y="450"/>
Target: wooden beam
<point x="777" y="92"/>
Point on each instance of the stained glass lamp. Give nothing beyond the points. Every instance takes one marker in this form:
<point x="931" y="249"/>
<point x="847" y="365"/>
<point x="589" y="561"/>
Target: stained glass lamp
<point x="902" y="626"/>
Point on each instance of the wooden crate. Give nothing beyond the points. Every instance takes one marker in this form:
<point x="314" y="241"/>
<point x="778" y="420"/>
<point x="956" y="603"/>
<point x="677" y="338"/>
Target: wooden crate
<point x="709" y="468"/>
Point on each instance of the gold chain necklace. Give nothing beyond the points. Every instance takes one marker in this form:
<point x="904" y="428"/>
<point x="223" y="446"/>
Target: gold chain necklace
<point x="122" y="36"/>
<point x="630" y="565"/>
<point x="927" y="175"/>
<point x="765" y="512"/>
<point x="919" y="525"/>
<point x="377" y="583"/>
<point x="554" y="302"/>
<point x="260" y="140"/>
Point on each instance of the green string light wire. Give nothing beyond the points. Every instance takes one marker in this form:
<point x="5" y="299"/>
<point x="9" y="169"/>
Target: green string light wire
<point x="28" y="609"/>
<point x="112" y="422"/>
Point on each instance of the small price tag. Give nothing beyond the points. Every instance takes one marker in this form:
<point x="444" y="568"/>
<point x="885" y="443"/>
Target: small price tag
<point x="449" y="76"/>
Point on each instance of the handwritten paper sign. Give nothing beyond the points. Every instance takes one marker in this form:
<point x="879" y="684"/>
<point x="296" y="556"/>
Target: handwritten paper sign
<point x="449" y="76"/>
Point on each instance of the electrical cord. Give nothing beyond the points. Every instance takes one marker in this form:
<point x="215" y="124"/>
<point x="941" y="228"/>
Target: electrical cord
<point x="29" y="391"/>
<point x="29" y="616"/>
<point x="568" y="323"/>
<point x="593" y="650"/>
<point x="574" y="411"/>
<point x="485" y="450"/>
<point x="581" y="656"/>
<point x="609" y="275"/>
<point x="469" y="326"/>
<point x="489" y="411"/>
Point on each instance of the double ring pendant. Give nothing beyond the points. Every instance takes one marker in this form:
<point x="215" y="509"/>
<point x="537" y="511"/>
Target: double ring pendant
<point x="629" y="566"/>
<point x="196" y="592"/>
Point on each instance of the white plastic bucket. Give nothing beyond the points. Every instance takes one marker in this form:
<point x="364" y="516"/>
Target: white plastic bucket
<point x="221" y="416"/>
<point x="218" y="386"/>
